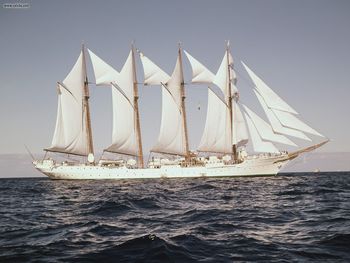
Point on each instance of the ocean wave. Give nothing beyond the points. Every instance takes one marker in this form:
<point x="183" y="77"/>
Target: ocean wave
<point x="278" y="219"/>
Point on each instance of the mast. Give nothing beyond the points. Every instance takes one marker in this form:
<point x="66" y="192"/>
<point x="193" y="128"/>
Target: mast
<point x="137" y="114"/>
<point x="183" y="108"/>
<point x="234" y="148"/>
<point x="86" y="108"/>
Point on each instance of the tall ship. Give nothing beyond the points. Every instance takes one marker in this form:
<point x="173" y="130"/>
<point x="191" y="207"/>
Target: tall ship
<point x="235" y="142"/>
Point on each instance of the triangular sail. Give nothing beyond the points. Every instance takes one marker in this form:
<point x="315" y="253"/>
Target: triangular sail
<point x="272" y="100"/>
<point x="200" y="74"/>
<point x="218" y="136"/>
<point x="217" y="131"/>
<point x="104" y="73"/>
<point x="124" y="137"/>
<point x="71" y="135"/>
<point x="265" y="130"/>
<point x="171" y="139"/>
<point x="258" y="144"/>
<point x="239" y="129"/>
<point x="276" y="108"/>
<point x="276" y="124"/>
<point x="226" y="76"/>
<point x="153" y="75"/>
<point x="289" y="120"/>
<point x="124" y="131"/>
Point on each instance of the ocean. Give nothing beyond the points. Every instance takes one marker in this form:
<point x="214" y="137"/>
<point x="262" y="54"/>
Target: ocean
<point x="288" y="218"/>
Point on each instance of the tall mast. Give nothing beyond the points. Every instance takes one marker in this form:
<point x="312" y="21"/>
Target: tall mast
<point x="183" y="109"/>
<point x="234" y="148"/>
<point x="136" y="112"/>
<point x="86" y="108"/>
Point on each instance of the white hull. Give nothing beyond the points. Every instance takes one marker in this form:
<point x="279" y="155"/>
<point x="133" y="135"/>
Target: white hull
<point x="260" y="166"/>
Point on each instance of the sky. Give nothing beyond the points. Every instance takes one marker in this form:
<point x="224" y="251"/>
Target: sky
<point x="300" y="48"/>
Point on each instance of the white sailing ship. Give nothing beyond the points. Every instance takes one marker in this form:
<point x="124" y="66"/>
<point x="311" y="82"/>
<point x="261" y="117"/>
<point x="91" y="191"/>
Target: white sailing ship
<point x="230" y="125"/>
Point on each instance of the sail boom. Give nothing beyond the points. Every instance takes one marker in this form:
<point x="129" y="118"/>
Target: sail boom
<point x="119" y="152"/>
<point x="217" y="152"/>
<point x="64" y="152"/>
<point x="169" y="153"/>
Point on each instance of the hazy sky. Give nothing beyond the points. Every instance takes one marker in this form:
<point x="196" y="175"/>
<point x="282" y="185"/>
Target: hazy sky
<point x="300" y="48"/>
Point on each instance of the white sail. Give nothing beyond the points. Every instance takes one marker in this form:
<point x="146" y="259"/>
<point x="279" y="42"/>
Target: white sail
<point x="171" y="137"/>
<point x="226" y="74"/>
<point x="217" y="135"/>
<point x="123" y="131"/>
<point x="239" y="129"/>
<point x="104" y="73"/>
<point x="265" y="130"/>
<point x="153" y="75"/>
<point x="289" y="120"/>
<point x="258" y="144"/>
<point x="217" y="132"/>
<point x="200" y="74"/>
<point x="70" y="134"/>
<point x="276" y="124"/>
<point x="272" y="100"/>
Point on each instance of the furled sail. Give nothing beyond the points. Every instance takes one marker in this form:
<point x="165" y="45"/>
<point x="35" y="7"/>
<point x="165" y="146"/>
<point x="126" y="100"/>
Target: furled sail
<point x="124" y="139"/>
<point x="259" y="145"/>
<point x="265" y="130"/>
<point x="171" y="139"/>
<point x="70" y="134"/>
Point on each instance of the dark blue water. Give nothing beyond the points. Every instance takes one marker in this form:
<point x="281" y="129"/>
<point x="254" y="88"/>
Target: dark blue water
<point x="292" y="217"/>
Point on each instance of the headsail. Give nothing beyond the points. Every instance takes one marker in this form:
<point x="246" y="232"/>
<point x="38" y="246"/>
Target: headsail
<point x="276" y="124"/>
<point x="72" y="133"/>
<point x="259" y="145"/>
<point x="272" y="100"/>
<point x="278" y="107"/>
<point x="265" y="130"/>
